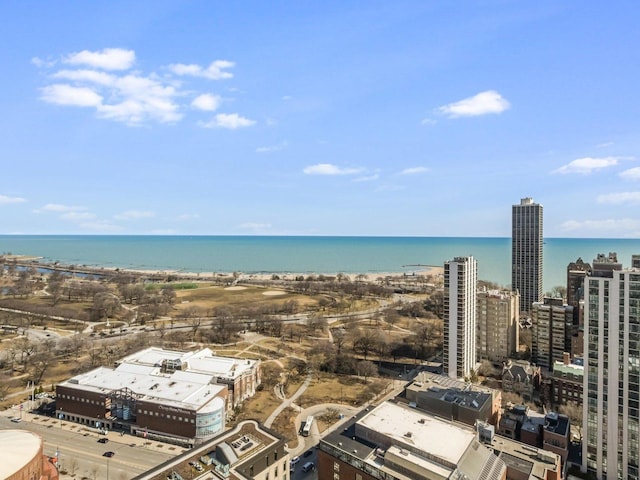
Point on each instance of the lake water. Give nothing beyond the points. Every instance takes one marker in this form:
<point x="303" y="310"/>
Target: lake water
<point x="260" y="254"/>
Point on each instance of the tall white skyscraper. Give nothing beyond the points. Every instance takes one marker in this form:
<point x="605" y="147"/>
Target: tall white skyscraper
<point x="526" y="252"/>
<point x="460" y="283"/>
<point x="611" y="409"/>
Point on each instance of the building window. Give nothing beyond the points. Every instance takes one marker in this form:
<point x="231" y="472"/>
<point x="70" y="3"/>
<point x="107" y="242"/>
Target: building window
<point x="336" y="467"/>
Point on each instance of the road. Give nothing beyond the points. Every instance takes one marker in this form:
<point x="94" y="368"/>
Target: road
<point x="78" y="446"/>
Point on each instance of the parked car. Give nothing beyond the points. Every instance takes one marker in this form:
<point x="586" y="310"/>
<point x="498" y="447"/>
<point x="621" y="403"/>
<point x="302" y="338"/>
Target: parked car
<point x="307" y="453"/>
<point x="103" y="440"/>
<point x="16" y="419"/>
<point x="295" y="460"/>
<point x="108" y="454"/>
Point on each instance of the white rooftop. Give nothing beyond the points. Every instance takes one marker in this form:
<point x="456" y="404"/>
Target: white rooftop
<point x="18" y="448"/>
<point x="412" y="427"/>
<point x="203" y="361"/>
<point x="180" y="388"/>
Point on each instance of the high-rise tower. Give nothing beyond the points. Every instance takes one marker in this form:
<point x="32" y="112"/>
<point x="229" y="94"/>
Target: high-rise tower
<point x="460" y="283"/>
<point x="611" y="411"/>
<point x="526" y="252"/>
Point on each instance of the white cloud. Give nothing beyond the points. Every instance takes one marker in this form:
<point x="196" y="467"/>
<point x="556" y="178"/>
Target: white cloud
<point x="621" y="198"/>
<point x="140" y="98"/>
<point x="414" y="170"/>
<point x="77" y="216"/>
<point x="604" y="145"/>
<point x="631" y="174"/>
<point x="587" y="165"/>
<point x="133" y="97"/>
<point x="129" y="98"/>
<point x="206" y="102"/>
<point x="390" y="188"/>
<point x="62" y="94"/>
<point x="483" y="103"/>
<point x="255" y="226"/>
<point x="612" y="226"/>
<point x="134" y="215"/>
<point x="38" y="62"/>
<point x="101" y="226"/>
<point x="90" y="76"/>
<point x="188" y="216"/>
<point x="428" y="121"/>
<point x="5" y="200"/>
<point x="272" y="148"/>
<point x="231" y="121"/>
<point x="56" y="207"/>
<point x="329" y="169"/>
<point x="369" y="178"/>
<point x="215" y="71"/>
<point x="107" y="59"/>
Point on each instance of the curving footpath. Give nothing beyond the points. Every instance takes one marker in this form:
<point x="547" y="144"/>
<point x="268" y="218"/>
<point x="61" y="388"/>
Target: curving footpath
<point x="288" y="401"/>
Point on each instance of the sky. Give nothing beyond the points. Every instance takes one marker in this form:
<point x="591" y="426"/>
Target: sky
<point x="382" y="118"/>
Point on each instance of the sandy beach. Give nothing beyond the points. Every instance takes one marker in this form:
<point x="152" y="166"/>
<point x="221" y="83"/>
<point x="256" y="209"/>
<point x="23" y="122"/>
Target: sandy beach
<point x="26" y="261"/>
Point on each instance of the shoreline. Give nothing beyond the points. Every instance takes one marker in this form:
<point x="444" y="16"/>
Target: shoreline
<point x="33" y="261"/>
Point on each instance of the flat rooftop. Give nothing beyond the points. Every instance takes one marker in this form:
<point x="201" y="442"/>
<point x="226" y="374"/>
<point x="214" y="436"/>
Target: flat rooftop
<point x="181" y="389"/>
<point x="524" y="458"/>
<point x="407" y="426"/>
<point x="203" y="361"/>
<point x="450" y="390"/>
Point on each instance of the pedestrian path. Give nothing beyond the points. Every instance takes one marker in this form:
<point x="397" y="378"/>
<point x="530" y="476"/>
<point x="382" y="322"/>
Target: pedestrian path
<point x="287" y="402"/>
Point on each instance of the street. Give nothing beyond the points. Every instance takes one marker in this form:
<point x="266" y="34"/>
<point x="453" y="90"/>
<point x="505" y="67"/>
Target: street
<point x="78" y="448"/>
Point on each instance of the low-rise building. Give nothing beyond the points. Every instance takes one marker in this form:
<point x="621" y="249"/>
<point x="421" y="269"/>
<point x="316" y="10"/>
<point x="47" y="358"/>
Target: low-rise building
<point x="179" y="397"/>
<point x="248" y="451"/>
<point x="567" y="382"/>
<point x="453" y="399"/>
<point x="550" y="432"/>
<point x="395" y="442"/>
<point x="521" y="377"/>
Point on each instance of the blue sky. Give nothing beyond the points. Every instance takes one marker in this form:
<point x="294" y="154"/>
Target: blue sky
<point x="425" y="118"/>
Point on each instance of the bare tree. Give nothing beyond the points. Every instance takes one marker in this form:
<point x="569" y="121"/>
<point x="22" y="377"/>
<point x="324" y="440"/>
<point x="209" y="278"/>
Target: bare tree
<point x="367" y="369"/>
<point x="73" y="466"/>
<point x="557" y="292"/>
<point x="339" y="339"/>
<point x="55" y="285"/>
<point x="193" y="318"/>
<point x="391" y="316"/>
<point x="574" y="411"/>
<point x="364" y="341"/>
<point x="94" y="470"/>
<point x="105" y="304"/>
<point x="315" y="322"/>
<point x="5" y="385"/>
<point x="39" y="365"/>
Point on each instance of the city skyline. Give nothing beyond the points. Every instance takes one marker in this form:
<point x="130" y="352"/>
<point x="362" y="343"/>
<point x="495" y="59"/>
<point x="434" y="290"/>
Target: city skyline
<point x="385" y="119"/>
